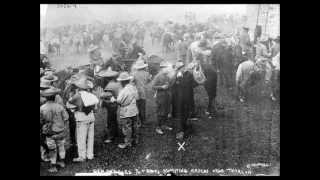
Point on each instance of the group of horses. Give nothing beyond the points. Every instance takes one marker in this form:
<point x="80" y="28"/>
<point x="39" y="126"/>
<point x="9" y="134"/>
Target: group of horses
<point x="78" y="42"/>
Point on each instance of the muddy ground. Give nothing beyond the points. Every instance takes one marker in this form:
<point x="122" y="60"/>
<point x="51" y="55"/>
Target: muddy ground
<point x="242" y="139"/>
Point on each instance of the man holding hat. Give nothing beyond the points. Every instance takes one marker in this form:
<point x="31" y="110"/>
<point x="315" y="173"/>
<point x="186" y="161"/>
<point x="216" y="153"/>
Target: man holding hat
<point x="128" y="110"/>
<point x="85" y="103"/>
<point x="54" y="118"/>
<point x="162" y="83"/>
<point x="141" y="78"/>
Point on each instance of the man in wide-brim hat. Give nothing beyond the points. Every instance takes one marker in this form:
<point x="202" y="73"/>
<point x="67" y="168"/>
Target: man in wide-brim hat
<point x="111" y="89"/>
<point x="139" y="65"/>
<point x="86" y="103"/>
<point x="54" y="127"/>
<point x="50" y="91"/>
<point x="108" y="73"/>
<point x="141" y="78"/>
<point x="49" y="77"/>
<point x="161" y="84"/>
<point x="128" y="110"/>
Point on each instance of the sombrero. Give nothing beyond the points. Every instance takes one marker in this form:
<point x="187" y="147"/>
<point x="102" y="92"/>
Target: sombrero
<point x="140" y="64"/>
<point x="45" y="84"/>
<point x="108" y="73"/>
<point x="124" y="76"/>
<point x="49" y="77"/>
<point x="92" y="48"/>
<point x="111" y="86"/>
<point x="50" y="92"/>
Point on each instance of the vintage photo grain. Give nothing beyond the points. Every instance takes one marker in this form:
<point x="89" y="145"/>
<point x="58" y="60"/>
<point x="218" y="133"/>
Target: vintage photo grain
<point x="159" y="89"/>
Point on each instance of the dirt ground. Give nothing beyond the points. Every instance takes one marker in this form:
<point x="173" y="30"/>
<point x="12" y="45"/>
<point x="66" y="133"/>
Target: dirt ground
<point x="243" y="139"/>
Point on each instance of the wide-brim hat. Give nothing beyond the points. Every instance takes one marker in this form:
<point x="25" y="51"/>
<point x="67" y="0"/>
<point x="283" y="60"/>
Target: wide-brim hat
<point x="108" y="73"/>
<point x="45" y="84"/>
<point x="140" y="64"/>
<point x="165" y="64"/>
<point x="124" y="76"/>
<point x="92" y="48"/>
<point x="49" y="77"/>
<point x="83" y="83"/>
<point x="50" y="91"/>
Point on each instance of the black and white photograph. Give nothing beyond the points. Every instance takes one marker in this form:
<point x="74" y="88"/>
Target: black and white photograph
<point x="159" y="89"/>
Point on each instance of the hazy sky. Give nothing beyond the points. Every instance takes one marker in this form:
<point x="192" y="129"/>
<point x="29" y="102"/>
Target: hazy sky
<point x="158" y="11"/>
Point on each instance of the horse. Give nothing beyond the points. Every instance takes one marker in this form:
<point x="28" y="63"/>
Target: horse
<point x="223" y="60"/>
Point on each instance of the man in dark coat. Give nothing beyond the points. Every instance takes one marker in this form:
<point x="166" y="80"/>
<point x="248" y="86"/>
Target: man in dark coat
<point x="182" y="98"/>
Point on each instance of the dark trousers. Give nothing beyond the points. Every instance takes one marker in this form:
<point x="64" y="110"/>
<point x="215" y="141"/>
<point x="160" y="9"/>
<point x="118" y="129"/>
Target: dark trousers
<point x="112" y="123"/>
<point x="130" y="130"/>
<point x="141" y="103"/>
<point x="163" y="106"/>
<point x="72" y="127"/>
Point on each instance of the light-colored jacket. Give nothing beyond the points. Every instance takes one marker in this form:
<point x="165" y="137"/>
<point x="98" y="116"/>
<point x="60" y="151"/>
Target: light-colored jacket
<point x="127" y="100"/>
<point x="141" y="78"/>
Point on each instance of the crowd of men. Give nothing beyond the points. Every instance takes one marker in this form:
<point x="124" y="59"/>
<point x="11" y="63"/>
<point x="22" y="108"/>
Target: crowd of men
<point x="124" y="96"/>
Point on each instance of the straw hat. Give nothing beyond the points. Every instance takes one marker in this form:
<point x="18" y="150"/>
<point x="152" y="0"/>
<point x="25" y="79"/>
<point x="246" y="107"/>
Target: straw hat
<point x="165" y="64"/>
<point x="140" y="64"/>
<point x="108" y="73"/>
<point x="92" y="48"/>
<point x="124" y="76"/>
<point x="45" y="84"/>
<point x="50" y="92"/>
<point x="49" y="77"/>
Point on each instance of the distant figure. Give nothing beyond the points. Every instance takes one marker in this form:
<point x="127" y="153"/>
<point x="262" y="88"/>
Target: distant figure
<point x="244" y="39"/>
